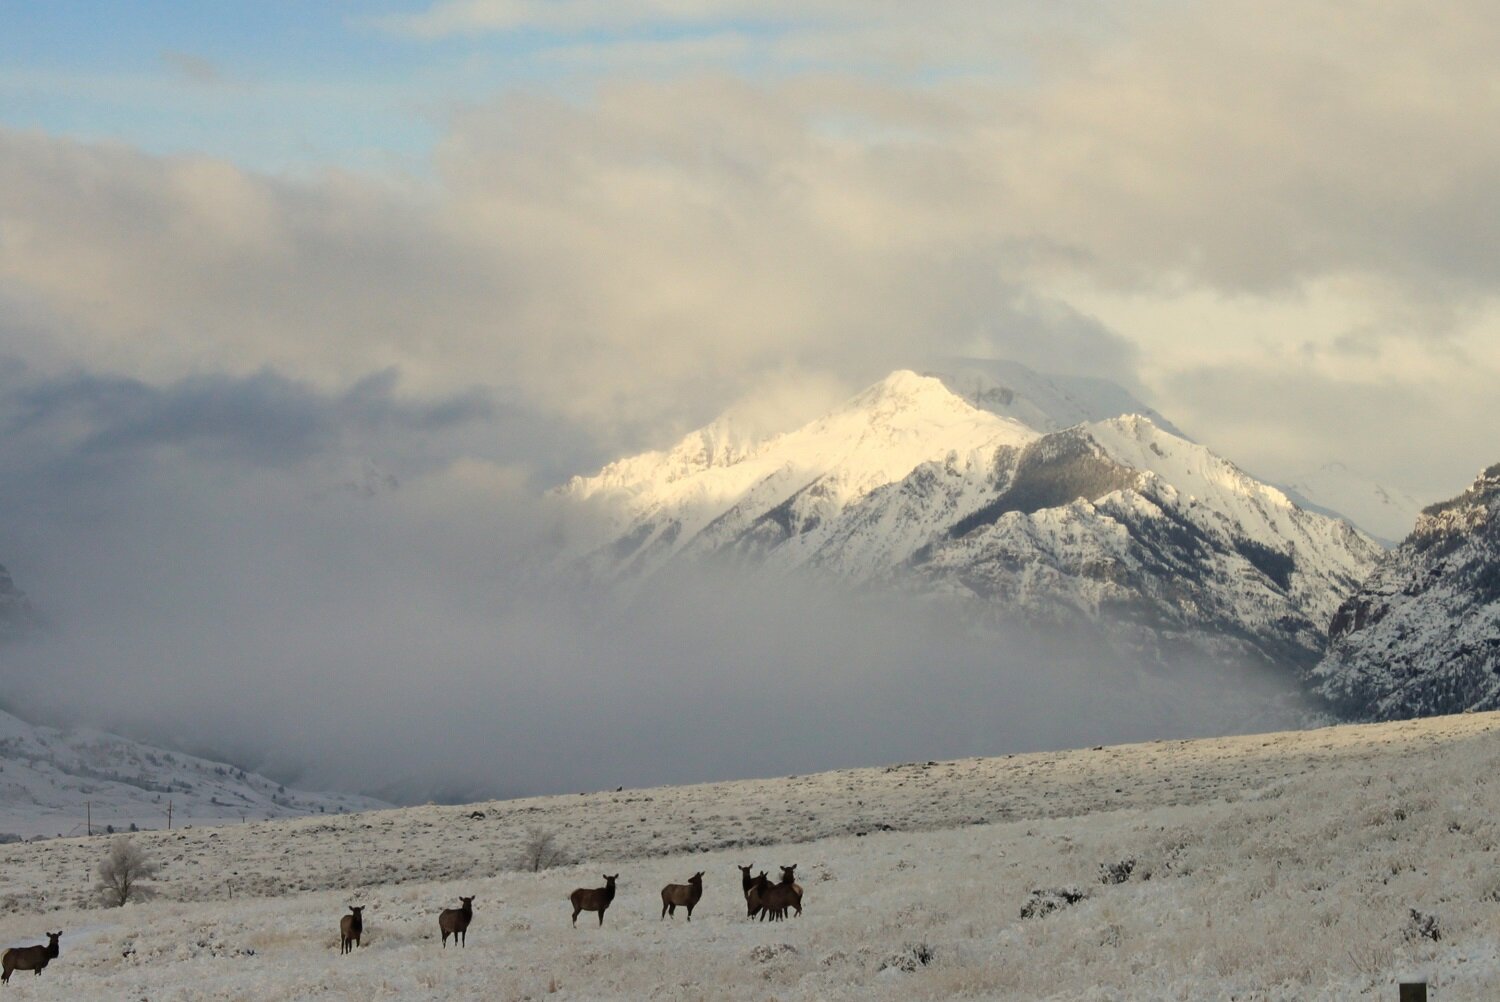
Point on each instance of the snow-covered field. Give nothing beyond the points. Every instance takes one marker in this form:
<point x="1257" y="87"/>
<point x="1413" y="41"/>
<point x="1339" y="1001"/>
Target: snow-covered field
<point x="1283" y="866"/>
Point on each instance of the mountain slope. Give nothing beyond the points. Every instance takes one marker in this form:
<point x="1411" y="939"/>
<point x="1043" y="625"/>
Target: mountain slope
<point x="1122" y="522"/>
<point x="697" y="497"/>
<point x="1385" y="512"/>
<point x="52" y="780"/>
<point x="1422" y="635"/>
<point x="1119" y="521"/>
<point x="1044" y="401"/>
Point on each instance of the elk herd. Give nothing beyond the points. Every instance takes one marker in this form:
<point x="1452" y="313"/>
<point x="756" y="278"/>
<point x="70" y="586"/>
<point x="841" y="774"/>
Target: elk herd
<point x="763" y="899"/>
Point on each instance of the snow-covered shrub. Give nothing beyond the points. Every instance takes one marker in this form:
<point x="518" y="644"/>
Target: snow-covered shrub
<point x="539" y="850"/>
<point x="1423" y="926"/>
<point x="912" y="957"/>
<point x="121" y="872"/>
<point x="1045" y="902"/>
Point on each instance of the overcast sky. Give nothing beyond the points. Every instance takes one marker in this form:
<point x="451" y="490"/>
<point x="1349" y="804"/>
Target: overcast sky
<point x="412" y="263"/>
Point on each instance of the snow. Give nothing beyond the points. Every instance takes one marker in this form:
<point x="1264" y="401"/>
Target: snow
<point x="1385" y="512"/>
<point x="1422" y="633"/>
<point x="52" y="782"/>
<point x="693" y="495"/>
<point x="913" y="485"/>
<point x="1278" y="866"/>
<point x="1044" y="401"/>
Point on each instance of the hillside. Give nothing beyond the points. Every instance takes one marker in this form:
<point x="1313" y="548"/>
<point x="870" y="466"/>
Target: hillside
<point x="1317" y="864"/>
<point x="54" y="781"/>
<point x="1422" y="634"/>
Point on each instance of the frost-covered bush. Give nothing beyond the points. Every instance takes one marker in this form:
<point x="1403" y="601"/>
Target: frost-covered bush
<point x="1423" y="926"/>
<point x="911" y="958"/>
<point x="1116" y="873"/>
<point x="121" y="872"/>
<point x="1045" y="902"/>
<point x="767" y="952"/>
<point x="539" y="850"/>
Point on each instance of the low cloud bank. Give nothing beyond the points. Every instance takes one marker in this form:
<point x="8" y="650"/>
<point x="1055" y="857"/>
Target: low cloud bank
<point x="368" y="605"/>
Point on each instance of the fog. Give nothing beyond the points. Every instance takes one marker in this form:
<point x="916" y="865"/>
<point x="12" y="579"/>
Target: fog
<point x="348" y="596"/>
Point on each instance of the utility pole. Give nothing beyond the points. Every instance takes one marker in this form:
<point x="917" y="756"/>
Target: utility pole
<point x="169" y="814"/>
<point x="88" y="807"/>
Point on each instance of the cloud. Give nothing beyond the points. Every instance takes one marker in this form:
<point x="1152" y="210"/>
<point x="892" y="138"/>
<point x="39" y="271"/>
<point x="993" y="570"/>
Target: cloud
<point x="261" y="419"/>
<point x="194" y="69"/>
<point x="631" y="260"/>
<point x="1277" y="217"/>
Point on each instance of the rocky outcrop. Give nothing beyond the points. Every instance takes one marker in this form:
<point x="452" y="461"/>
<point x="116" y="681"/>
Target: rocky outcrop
<point x="1422" y="635"/>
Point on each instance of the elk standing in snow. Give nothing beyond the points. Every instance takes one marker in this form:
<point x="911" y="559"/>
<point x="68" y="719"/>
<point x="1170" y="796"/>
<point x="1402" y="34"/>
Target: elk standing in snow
<point x="772" y="900"/>
<point x="686" y="895"/>
<point x="29" y="958"/>
<point x="351" y="927"/>
<point x="455" y="922"/>
<point x="593" y="899"/>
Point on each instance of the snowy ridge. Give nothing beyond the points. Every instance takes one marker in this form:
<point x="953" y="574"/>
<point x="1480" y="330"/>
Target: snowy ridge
<point x="910" y="485"/>
<point x="1319" y="865"/>
<point x="1383" y="511"/>
<point x="52" y="781"/>
<point x="1422" y="634"/>
<point x="1046" y="402"/>
<point x="685" y="499"/>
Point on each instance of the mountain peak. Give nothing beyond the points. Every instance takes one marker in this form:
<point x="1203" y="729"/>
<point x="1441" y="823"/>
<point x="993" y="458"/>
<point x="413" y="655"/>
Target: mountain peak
<point x="1043" y="401"/>
<point x="911" y="483"/>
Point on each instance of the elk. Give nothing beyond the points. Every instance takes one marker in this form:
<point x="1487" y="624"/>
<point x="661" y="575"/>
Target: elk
<point x="745" y="879"/>
<point x="749" y="885"/>
<point x="351" y="927"/>
<point x="29" y="958"/>
<point x="789" y="876"/>
<point x="772" y="900"/>
<point x="455" y="922"/>
<point x="756" y="893"/>
<point x="686" y="895"/>
<point x="593" y="899"/>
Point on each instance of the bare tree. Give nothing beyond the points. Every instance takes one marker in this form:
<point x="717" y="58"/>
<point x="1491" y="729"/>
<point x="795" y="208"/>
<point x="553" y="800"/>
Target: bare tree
<point x="122" y="870"/>
<point x="539" y="850"/>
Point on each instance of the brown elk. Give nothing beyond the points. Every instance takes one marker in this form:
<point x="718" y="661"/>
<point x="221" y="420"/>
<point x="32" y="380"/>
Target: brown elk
<point x="686" y="895"/>
<point x="755" y="895"/>
<point x="771" y="901"/>
<point x="29" y="958"/>
<point x="789" y="876"/>
<point x="455" y="922"/>
<point x="745" y="879"/>
<point x="351" y="928"/>
<point x="747" y="883"/>
<point x="593" y="899"/>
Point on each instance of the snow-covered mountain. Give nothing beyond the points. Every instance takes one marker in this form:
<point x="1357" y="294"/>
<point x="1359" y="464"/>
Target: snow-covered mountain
<point x="54" y="782"/>
<point x="1044" y="401"/>
<point x="1422" y="635"/>
<point x="1385" y="512"/>
<point x="1117" y="521"/>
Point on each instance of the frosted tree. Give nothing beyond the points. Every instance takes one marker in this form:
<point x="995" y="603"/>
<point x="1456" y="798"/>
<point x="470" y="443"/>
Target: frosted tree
<point x="539" y="851"/>
<point x="121" y="871"/>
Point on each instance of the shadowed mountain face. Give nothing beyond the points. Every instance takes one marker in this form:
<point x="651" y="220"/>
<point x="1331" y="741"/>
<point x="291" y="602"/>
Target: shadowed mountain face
<point x="1422" y="634"/>
<point x="15" y="611"/>
<point x="1116" y="524"/>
